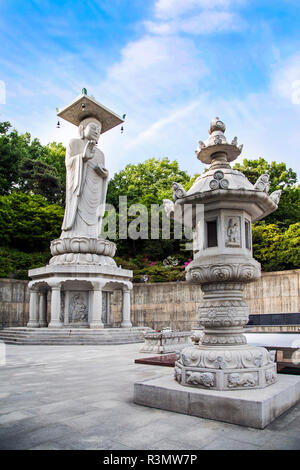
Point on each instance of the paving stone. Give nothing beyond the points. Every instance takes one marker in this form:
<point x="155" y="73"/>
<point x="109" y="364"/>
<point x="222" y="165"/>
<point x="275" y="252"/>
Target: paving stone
<point x="14" y="416"/>
<point x="82" y="398"/>
<point x="48" y="446"/>
<point x="223" y="443"/>
<point x="172" y="445"/>
<point x="27" y="440"/>
<point x="283" y="443"/>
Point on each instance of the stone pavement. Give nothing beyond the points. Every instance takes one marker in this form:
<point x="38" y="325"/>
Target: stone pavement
<point x="81" y="397"/>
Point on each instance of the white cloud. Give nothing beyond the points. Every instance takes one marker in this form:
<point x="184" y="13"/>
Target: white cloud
<point x="204" y="23"/>
<point x="156" y="82"/>
<point x="286" y="79"/>
<point x="151" y="73"/>
<point x="155" y="129"/>
<point x="166" y="9"/>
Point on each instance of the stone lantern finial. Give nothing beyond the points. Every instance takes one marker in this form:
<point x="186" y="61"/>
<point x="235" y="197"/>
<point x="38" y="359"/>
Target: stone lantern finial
<point x="216" y="150"/>
<point x="216" y="125"/>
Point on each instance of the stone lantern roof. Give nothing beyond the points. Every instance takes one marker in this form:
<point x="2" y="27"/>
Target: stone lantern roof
<point x="217" y="152"/>
<point x="208" y="151"/>
<point x="223" y="187"/>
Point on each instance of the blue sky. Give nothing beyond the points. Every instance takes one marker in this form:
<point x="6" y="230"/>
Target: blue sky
<point x="170" y="65"/>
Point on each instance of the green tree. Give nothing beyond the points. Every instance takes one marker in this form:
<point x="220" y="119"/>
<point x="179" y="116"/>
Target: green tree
<point x="40" y="178"/>
<point x="27" y="165"/>
<point x="55" y="157"/>
<point x="44" y="172"/>
<point x="267" y="241"/>
<point x="277" y="249"/>
<point x="146" y="183"/>
<point x="15" y="263"/>
<point x="28" y="222"/>
<point x="12" y="149"/>
<point x="290" y="247"/>
<point x="280" y="176"/>
<point x="288" y="211"/>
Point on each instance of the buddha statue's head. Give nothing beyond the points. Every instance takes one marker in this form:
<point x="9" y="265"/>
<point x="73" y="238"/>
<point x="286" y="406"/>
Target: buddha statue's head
<point x="90" y="129"/>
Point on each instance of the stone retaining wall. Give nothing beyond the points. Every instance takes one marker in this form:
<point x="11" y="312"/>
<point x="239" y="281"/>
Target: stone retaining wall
<point x="165" y="304"/>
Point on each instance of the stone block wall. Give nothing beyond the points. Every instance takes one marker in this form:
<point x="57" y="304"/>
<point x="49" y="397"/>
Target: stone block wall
<point x="165" y="304"/>
<point x="274" y="292"/>
<point x="14" y="302"/>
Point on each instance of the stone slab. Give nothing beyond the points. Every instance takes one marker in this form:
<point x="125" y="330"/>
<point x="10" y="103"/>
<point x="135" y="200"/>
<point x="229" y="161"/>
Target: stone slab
<point x="251" y="408"/>
<point x="168" y="360"/>
<point x="69" y="336"/>
<point x="77" y="269"/>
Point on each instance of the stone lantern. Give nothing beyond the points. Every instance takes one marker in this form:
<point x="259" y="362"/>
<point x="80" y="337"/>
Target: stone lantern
<point x="222" y="265"/>
<point x="222" y="378"/>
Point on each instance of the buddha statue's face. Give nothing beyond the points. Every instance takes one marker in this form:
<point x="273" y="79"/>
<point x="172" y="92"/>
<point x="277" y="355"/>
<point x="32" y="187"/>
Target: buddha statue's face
<point x="92" y="131"/>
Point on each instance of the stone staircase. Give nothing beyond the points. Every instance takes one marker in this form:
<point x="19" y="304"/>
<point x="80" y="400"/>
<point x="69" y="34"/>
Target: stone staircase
<point x="72" y="336"/>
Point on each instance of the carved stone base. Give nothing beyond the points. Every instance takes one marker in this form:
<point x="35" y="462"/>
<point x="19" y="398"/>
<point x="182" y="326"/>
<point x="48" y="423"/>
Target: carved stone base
<point x="82" y="250"/>
<point x="82" y="258"/>
<point x="167" y="342"/>
<point x="246" y="407"/>
<point x="79" y="294"/>
<point x="233" y="368"/>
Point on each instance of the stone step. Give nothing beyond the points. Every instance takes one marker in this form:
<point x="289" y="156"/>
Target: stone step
<point x="65" y="336"/>
<point x="66" y="342"/>
<point x="63" y="331"/>
<point x="41" y="338"/>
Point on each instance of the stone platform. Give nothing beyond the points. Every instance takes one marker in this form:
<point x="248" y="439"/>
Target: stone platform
<point x="251" y="408"/>
<point x="70" y="336"/>
<point x="166" y="341"/>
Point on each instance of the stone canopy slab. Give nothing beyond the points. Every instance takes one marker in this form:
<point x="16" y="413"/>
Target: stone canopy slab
<point x="85" y="106"/>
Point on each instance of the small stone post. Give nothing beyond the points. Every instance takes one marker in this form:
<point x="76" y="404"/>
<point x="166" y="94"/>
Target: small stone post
<point x="96" y="321"/>
<point x="43" y="309"/>
<point x="126" y="323"/>
<point x="55" y="308"/>
<point x="33" y="309"/>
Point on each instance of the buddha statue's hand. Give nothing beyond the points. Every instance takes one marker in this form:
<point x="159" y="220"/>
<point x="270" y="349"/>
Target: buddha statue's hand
<point x="101" y="171"/>
<point x="89" y="150"/>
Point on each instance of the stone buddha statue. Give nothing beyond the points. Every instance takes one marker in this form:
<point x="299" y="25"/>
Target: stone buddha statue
<point x="86" y="186"/>
<point x="86" y="183"/>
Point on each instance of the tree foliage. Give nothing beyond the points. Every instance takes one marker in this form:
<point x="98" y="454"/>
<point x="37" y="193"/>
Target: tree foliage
<point x="32" y="191"/>
<point x="277" y="249"/>
<point x="147" y="183"/>
<point x="28" y="222"/>
<point x="280" y="176"/>
<point x="27" y="165"/>
<point x="40" y="178"/>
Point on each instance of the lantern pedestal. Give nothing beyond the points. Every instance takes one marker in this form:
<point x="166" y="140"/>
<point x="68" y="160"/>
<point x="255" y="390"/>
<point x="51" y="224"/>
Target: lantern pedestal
<point x="251" y="408"/>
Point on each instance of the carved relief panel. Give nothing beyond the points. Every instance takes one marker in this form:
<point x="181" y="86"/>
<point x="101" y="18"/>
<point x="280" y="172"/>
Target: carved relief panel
<point x="78" y="307"/>
<point x="233" y="231"/>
